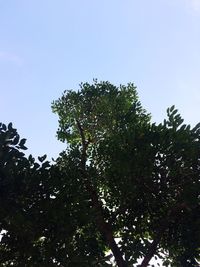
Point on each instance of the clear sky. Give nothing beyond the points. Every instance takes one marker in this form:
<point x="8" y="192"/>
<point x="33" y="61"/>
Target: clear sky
<point x="47" y="46"/>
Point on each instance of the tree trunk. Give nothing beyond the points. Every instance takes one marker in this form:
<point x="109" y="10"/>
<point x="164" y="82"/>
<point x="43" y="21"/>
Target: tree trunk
<point x="103" y="226"/>
<point x="151" y="252"/>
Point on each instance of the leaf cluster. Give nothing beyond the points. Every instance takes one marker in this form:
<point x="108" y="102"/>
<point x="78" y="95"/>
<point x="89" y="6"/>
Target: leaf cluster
<point x="44" y="211"/>
<point x="146" y="178"/>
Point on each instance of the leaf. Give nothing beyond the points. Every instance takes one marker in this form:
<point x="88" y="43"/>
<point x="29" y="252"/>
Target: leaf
<point x="4" y="127"/>
<point x="41" y="159"/>
<point x="24" y="147"/>
<point x="10" y="126"/>
<point x="45" y="165"/>
<point x="196" y="128"/>
<point x="31" y="159"/>
<point x="172" y="108"/>
<point x="22" y="142"/>
<point x="16" y="139"/>
<point x="174" y="113"/>
<point x="183" y="127"/>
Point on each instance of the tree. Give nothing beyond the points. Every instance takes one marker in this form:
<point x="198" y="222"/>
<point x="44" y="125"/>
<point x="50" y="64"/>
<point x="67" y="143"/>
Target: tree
<point x="125" y="187"/>
<point x="142" y="178"/>
<point x="43" y="219"/>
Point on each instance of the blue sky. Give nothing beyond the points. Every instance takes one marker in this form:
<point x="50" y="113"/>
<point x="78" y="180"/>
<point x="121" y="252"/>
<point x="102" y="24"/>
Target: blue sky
<point x="47" y="46"/>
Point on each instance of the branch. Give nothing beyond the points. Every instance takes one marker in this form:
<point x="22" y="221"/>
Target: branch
<point x="164" y="224"/>
<point x="104" y="227"/>
<point x="152" y="250"/>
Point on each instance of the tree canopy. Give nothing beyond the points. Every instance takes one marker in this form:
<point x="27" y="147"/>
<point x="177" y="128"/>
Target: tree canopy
<point x="124" y="190"/>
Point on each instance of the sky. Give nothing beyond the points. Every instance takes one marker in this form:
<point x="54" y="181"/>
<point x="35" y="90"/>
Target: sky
<point x="48" y="46"/>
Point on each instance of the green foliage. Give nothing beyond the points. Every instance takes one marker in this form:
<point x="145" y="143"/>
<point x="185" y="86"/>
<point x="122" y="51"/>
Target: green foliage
<point x="145" y="176"/>
<point x="44" y="211"/>
<point x="102" y="109"/>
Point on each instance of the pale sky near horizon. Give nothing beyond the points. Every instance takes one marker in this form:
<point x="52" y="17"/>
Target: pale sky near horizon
<point x="48" y="46"/>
